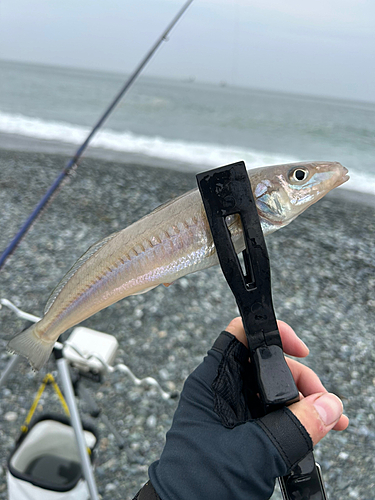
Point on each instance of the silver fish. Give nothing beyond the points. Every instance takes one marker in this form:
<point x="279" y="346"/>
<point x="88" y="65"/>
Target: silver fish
<point x="172" y="241"/>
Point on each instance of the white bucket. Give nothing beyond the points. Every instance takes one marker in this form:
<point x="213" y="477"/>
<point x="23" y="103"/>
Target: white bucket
<point x="45" y="463"/>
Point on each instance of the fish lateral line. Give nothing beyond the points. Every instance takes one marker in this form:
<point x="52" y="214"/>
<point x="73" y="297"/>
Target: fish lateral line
<point x="98" y="279"/>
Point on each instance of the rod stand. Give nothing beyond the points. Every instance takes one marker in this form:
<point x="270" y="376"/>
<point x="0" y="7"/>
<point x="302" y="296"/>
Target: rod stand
<point x="67" y="385"/>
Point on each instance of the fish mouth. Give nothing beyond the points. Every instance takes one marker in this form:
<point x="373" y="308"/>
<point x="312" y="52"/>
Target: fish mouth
<point x="344" y="179"/>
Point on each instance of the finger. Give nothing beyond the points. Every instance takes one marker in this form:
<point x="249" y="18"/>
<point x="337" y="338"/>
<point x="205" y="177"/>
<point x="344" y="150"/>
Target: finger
<point x="319" y="413"/>
<point x="236" y="328"/>
<point x="342" y="424"/>
<point x="307" y="381"/>
<point x="292" y="344"/>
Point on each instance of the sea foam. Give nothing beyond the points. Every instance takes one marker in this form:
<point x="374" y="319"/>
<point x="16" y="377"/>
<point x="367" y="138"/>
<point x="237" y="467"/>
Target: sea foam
<point x="198" y="155"/>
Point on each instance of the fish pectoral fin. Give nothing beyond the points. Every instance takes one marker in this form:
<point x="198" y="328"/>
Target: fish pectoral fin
<point x="168" y="284"/>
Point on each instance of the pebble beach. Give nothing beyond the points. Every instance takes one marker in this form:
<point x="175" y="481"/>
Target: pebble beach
<point x="323" y="275"/>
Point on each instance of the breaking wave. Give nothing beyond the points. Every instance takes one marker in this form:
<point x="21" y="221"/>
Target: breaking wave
<point x="197" y="155"/>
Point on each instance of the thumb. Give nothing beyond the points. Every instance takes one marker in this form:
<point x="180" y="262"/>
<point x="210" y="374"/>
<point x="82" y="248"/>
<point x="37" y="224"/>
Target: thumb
<point x="318" y="413"/>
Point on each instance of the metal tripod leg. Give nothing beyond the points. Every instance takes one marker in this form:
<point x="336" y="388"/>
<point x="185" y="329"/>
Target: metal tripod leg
<point x="77" y="426"/>
<point x="10" y="367"/>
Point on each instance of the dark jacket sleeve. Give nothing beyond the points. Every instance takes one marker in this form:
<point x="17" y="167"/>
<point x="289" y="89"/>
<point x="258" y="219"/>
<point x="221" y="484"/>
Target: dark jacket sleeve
<point x="214" y="449"/>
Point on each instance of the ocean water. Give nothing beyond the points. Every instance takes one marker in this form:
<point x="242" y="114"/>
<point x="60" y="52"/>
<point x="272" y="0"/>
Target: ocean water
<point x="187" y="125"/>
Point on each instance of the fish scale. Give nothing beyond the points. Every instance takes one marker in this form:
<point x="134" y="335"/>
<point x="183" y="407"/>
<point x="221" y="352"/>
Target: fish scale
<point x="170" y="242"/>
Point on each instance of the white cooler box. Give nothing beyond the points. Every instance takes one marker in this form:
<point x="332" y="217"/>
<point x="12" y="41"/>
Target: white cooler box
<point x="45" y="463"/>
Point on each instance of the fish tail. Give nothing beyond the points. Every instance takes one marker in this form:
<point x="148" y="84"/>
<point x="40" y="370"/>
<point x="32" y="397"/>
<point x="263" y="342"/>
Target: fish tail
<point x="29" y="344"/>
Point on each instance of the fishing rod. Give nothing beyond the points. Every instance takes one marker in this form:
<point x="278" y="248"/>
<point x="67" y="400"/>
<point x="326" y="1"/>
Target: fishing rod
<point x="73" y="161"/>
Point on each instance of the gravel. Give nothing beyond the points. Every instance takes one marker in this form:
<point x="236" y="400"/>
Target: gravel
<point x="323" y="284"/>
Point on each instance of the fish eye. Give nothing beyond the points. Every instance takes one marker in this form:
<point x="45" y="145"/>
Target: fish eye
<point x="298" y="174"/>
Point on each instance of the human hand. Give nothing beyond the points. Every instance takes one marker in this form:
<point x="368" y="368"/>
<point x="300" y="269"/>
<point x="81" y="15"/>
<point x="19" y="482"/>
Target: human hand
<point x="317" y="410"/>
<point x="216" y="449"/>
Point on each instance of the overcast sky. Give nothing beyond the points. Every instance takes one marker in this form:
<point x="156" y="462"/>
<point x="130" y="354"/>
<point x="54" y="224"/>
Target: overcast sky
<point x="324" y="47"/>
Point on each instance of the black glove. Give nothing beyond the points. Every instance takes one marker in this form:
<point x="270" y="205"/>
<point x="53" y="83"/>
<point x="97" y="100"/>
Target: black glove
<point x="215" y="450"/>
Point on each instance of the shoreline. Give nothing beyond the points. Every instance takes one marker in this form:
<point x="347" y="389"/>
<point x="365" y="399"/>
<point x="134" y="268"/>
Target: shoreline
<point x="13" y="142"/>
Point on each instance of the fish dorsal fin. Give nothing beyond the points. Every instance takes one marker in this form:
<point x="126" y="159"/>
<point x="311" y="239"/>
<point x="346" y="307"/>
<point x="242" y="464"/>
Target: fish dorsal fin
<point x="84" y="258"/>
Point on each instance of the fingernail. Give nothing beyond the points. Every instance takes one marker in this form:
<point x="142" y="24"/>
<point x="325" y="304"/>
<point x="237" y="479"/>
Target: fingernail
<point x="329" y="408"/>
<point x="304" y="343"/>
